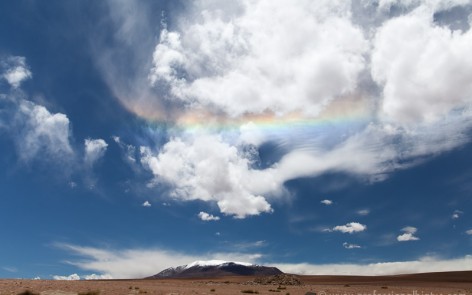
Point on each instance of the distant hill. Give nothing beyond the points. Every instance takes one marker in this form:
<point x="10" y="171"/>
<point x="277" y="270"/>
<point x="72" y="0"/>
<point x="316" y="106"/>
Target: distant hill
<point x="216" y="268"/>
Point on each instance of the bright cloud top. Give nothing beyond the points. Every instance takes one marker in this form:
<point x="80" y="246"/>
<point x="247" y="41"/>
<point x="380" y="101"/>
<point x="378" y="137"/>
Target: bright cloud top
<point x="247" y="57"/>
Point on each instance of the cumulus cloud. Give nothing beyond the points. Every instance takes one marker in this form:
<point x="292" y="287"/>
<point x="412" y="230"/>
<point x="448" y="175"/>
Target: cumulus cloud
<point x="327" y="202"/>
<point x="15" y="70"/>
<point x="247" y="63"/>
<point x="94" y="150"/>
<point x="76" y="277"/>
<point x="408" y="235"/>
<point x="351" y="246"/>
<point x="146" y="204"/>
<point x="254" y="57"/>
<point x="424" y="68"/>
<point x="209" y="169"/>
<point x="72" y="277"/>
<point x="207" y="217"/>
<point x="469" y="232"/>
<point x="351" y="227"/>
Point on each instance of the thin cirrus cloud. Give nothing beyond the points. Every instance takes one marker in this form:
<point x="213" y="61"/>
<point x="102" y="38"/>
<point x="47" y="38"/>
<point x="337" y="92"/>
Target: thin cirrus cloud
<point x="276" y="63"/>
<point x="140" y="263"/>
<point x="351" y="246"/>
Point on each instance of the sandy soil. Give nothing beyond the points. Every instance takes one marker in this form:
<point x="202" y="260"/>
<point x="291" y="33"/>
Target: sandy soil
<point x="430" y="284"/>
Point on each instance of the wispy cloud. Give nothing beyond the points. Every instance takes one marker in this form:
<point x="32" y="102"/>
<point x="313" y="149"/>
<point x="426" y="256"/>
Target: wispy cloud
<point x="94" y="150"/>
<point x="15" y="70"/>
<point x="425" y="264"/>
<point x="363" y="212"/>
<point x="138" y="263"/>
<point x="351" y="246"/>
<point x="456" y="214"/>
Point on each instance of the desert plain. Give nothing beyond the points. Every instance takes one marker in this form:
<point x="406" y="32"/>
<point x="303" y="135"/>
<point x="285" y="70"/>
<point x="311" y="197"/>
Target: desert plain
<point x="445" y="283"/>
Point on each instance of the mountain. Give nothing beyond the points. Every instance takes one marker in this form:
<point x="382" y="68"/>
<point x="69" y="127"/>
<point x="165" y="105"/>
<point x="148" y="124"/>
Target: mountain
<point x="216" y="268"/>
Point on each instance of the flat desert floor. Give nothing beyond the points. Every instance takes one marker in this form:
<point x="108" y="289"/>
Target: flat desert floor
<point x="453" y="283"/>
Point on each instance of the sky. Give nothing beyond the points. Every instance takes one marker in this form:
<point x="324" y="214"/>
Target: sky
<point x="321" y="137"/>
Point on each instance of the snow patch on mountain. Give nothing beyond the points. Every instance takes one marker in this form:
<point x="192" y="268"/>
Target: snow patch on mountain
<point x="203" y="263"/>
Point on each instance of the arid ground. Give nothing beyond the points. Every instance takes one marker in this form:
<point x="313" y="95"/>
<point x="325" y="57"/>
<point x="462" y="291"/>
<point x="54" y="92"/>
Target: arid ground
<point x="421" y="284"/>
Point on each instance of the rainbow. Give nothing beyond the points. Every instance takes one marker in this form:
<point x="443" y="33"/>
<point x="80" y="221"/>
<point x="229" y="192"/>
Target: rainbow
<point x="347" y="112"/>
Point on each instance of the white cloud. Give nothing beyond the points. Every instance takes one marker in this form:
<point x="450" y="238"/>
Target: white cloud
<point x="72" y="277"/>
<point x="409" y="234"/>
<point x="327" y="202"/>
<point x="425" y="264"/>
<point x="146" y="204"/>
<point x="207" y="217"/>
<point x="469" y="232"/>
<point x="278" y="60"/>
<point x="351" y="246"/>
<point x="351" y="227"/>
<point x="76" y="277"/>
<point x="456" y="214"/>
<point x="41" y="133"/>
<point x="37" y="132"/>
<point x="260" y="56"/>
<point x="97" y="277"/>
<point x="425" y="69"/>
<point x="15" y="70"/>
<point x="140" y="263"/>
<point x="207" y="168"/>
<point x="94" y="150"/>
<point x="363" y="212"/>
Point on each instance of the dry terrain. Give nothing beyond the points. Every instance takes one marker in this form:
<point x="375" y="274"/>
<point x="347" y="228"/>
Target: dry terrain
<point x="421" y="284"/>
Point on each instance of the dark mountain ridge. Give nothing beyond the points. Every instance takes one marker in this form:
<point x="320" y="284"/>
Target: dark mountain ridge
<point x="213" y="269"/>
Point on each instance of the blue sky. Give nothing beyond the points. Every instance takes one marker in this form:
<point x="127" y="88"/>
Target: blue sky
<point x="323" y="137"/>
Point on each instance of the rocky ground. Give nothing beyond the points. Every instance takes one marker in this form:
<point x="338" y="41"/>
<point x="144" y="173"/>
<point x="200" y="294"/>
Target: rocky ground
<point x="293" y="285"/>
